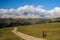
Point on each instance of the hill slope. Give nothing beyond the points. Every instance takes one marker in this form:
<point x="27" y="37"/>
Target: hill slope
<point x="52" y="29"/>
<point x="6" y="34"/>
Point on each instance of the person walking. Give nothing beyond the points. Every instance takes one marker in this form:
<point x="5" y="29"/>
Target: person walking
<point x="44" y="34"/>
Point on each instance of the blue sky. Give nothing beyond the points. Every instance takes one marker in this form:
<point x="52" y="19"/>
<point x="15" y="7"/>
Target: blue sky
<point x="48" y="4"/>
<point x="40" y="8"/>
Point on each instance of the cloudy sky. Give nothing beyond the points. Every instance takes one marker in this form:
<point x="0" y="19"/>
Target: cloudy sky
<point x="30" y="8"/>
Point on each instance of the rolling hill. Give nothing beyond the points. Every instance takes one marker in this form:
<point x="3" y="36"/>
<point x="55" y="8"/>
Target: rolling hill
<point x="52" y="29"/>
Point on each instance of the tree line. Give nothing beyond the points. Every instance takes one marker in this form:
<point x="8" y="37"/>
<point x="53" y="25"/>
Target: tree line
<point x="10" y="22"/>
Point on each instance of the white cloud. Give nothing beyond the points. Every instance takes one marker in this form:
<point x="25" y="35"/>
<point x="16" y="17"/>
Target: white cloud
<point x="31" y="12"/>
<point x="54" y="13"/>
<point x="12" y="10"/>
<point x="3" y="10"/>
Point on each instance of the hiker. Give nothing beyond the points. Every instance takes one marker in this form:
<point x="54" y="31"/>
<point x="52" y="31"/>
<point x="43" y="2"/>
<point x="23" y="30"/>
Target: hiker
<point x="44" y="34"/>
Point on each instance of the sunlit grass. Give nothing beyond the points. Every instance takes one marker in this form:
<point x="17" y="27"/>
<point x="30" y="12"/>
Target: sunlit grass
<point x="6" y="34"/>
<point x="52" y="29"/>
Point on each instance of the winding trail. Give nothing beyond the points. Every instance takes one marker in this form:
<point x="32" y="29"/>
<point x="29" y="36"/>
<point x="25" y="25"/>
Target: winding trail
<point x="25" y="36"/>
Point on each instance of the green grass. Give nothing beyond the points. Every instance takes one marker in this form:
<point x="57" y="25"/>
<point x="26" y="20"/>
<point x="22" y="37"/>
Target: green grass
<point x="6" y="34"/>
<point x="52" y="29"/>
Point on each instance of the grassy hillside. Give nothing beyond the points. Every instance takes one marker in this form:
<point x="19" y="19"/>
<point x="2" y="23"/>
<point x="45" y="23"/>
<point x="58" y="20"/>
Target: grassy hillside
<point x="6" y="34"/>
<point x="52" y="29"/>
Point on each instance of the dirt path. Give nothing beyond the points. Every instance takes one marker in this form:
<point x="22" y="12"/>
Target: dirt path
<point x="24" y="36"/>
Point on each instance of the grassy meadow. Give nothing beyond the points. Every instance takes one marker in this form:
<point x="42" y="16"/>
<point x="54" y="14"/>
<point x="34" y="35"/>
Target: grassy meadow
<point x="52" y="29"/>
<point x="6" y="34"/>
